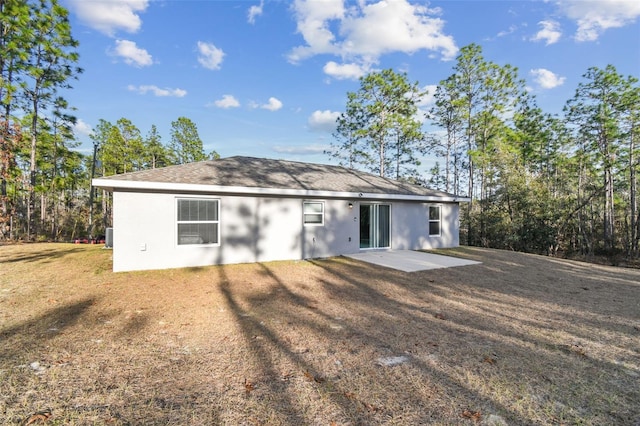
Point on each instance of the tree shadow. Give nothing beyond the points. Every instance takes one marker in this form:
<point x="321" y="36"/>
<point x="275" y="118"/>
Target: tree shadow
<point x="485" y="323"/>
<point x="39" y="255"/>
<point x="251" y="328"/>
<point x="34" y="333"/>
<point x="314" y="322"/>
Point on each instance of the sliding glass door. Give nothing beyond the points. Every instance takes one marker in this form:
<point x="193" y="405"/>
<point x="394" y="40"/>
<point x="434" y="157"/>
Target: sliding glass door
<point x="375" y="225"/>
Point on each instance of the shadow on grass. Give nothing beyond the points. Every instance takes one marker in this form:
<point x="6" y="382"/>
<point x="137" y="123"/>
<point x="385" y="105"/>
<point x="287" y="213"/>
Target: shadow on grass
<point x="24" y="253"/>
<point x="262" y="353"/>
<point x="382" y="320"/>
<point x="334" y="389"/>
<point x="463" y="340"/>
<point x="552" y="323"/>
<point x="516" y="336"/>
<point x="31" y="334"/>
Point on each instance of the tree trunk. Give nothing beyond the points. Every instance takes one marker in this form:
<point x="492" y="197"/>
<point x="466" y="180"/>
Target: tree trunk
<point x="471" y="171"/>
<point x="4" y="144"/>
<point x="398" y="157"/>
<point x="446" y="162"/>
<point x="609" y="214"/>
<point x="92" y="189"/>
<point x="632" y="190"/>
<point x="382" y="157"/>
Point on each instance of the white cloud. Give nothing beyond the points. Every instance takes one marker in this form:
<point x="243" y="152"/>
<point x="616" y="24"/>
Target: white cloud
<point x="227" y="101"/>
<point x="550" y="32"/>
<point x="274" y="104"/>
<point x="512" y="29"/>
<point x="547" y="79"/>
<point x="157" y="91"/>
<point x="132" y="54"/>
<point x="595" y="17"/>
<point x="365" y="31"/>
<point x="428" y="99"/>
<point x="82" y="128"/>
<point x="255" y="11"/>
<point x="210" y="56"/>
<point x="345" y="71"/>
<point x="323" y="121"/>
<point x="397" y="26"/>
<point x="109" y="16"/>
<point x="313" y="19"/>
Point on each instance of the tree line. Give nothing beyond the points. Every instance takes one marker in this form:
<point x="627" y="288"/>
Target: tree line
<point x="120" y="148"/>
<point x="535" y="182"/>
<point x="44" y="181"/>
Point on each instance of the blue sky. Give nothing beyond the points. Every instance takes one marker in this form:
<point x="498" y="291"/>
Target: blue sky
<point x="268" y="78"/>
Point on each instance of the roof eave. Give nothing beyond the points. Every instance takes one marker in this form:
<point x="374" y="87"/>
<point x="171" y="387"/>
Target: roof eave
<point x="114" y="185"/>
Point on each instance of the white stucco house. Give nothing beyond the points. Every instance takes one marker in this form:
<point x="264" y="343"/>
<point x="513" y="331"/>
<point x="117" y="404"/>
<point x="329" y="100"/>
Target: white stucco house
<point x="243" y="209"/>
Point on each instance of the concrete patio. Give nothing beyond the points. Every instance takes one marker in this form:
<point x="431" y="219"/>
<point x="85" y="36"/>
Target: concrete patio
<point x="409" y="260"/>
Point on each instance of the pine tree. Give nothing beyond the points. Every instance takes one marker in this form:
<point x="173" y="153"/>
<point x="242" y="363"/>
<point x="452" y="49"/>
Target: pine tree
<point x="379" y="129"/>
<point x="52" y="55"/>
<point x="186" y="145"/>
<point x="599" y="111"/>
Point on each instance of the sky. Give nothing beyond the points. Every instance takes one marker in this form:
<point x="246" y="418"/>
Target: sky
<point x="269" y="78"/>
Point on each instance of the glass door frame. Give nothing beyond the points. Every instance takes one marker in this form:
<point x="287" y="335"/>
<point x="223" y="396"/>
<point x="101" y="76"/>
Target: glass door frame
<point x="373" y="227"/>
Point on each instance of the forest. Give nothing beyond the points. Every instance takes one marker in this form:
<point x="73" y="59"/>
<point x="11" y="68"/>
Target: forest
<point x="536" y="182"/>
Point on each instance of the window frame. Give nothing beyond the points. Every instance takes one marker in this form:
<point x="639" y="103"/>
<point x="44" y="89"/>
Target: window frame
<point x="305" y="214"/>
<point x="179" y="222"/>
<point x="438" y="220"/>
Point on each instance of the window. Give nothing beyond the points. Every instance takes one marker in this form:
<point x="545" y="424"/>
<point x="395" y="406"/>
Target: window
<point x="313" y="213"/>
<point x="198" y="221"/>
<point x="434" y="221"/>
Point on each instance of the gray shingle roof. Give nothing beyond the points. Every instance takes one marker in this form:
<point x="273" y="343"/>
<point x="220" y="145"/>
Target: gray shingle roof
<point x="249" y="172"/>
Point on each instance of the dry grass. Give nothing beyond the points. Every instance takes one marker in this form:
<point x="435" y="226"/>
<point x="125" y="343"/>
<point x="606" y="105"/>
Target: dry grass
<point x="519" y="339"/>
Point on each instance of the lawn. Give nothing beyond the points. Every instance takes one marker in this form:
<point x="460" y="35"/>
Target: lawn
<point x="517" y="339"/>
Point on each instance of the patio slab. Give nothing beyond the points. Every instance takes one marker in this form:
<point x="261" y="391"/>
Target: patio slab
<point x="409" y="260"/>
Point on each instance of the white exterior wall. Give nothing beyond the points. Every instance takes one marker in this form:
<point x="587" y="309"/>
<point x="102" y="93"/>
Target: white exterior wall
<point x="260" y="229"/>
<point x="252" y="229"/>
<point x="410" y="226"/>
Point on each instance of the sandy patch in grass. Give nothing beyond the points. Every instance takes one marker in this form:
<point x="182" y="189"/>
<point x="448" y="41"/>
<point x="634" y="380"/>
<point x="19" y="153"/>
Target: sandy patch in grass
<point x="518" y="339"/>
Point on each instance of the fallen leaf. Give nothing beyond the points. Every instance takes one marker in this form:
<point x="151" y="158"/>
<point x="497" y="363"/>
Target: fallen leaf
<point x="476" y="416"/>
<point x="349" y="395"/>
<point x="579" y="350"/>
<point x="40" y="416"/>
<point x="286" y="375"/>
<point x="371" y="408"/>
<point x="248" y="386"/>
<point x="313" y="378"/>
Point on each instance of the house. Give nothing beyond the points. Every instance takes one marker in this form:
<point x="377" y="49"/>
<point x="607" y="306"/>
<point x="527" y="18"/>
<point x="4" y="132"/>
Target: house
<point x="243" y="209"/>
